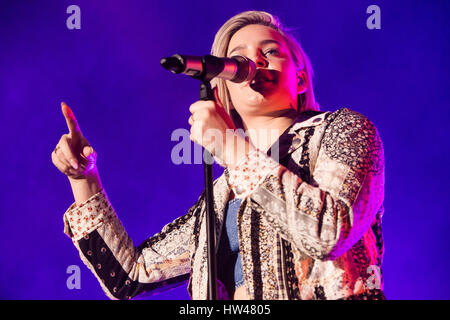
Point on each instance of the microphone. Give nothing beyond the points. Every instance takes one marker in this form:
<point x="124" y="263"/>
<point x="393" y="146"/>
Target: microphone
<point x="236" y="69"/>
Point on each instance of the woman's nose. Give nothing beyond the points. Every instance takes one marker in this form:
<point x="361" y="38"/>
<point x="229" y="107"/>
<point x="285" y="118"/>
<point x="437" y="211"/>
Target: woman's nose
<point x="260" y="61"/>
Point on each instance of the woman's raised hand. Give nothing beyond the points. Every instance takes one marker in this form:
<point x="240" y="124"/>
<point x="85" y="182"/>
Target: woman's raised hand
<point x="73" y="154"/>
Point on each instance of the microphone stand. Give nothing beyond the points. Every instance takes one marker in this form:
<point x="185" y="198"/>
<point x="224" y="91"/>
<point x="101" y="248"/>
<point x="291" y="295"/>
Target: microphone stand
<point x="206" y="93"/>
<point x="210" y="70"/>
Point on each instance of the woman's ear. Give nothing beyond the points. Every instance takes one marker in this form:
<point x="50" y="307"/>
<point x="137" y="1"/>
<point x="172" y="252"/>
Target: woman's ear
<point x="302" y="82"/>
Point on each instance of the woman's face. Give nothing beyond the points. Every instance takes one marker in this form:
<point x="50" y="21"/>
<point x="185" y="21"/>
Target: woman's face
<point x="274" y="87"/>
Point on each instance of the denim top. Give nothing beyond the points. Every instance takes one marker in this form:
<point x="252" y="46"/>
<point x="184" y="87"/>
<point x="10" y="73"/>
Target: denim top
<point x="229" y="264"/>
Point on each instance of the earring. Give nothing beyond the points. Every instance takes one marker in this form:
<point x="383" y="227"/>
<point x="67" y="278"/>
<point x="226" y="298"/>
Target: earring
<point x="301" y="79"/>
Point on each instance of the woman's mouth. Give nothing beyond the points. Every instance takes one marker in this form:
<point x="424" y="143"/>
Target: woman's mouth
<point x="262" y="79"/>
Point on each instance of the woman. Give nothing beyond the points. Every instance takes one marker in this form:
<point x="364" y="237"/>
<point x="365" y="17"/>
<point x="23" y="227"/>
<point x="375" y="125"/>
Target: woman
<point x="298" y="207"/>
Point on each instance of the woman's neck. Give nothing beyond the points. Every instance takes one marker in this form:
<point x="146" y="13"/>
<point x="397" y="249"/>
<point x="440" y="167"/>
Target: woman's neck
<point x="264" y="130"/>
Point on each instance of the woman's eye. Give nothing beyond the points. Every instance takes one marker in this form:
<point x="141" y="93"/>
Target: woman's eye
<point x="272" y="51"/>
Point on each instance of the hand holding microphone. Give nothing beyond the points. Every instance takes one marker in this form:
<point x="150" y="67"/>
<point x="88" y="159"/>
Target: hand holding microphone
<point x="211" y="126"/>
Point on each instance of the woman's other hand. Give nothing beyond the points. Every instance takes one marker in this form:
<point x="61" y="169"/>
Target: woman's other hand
<point x="73" y="154"/>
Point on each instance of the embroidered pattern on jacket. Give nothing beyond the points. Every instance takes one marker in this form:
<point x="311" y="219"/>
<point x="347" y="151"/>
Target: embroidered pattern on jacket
<point x="325" y="256"/>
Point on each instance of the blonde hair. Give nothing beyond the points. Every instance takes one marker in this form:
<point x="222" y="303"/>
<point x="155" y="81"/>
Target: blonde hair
<point x="222" y="40"/>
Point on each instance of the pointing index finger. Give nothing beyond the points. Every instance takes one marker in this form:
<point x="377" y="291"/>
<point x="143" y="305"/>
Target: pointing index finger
<point x="71" y="121"/>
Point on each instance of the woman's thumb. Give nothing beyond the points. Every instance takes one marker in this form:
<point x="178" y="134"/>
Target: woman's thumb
<point x="88" y="151"/>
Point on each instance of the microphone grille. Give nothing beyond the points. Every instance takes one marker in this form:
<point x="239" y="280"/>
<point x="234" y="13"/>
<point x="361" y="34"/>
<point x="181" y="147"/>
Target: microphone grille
<point x="172" y="64"/>
<point x="246" y="69"/>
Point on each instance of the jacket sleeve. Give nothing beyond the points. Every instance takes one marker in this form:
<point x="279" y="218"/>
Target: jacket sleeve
<point x="327" y="216"/>
<point x="123" y="270"/>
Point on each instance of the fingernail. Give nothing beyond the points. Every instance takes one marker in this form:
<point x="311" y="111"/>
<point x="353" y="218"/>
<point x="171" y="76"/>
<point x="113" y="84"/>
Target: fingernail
<point x="74" y="164"/>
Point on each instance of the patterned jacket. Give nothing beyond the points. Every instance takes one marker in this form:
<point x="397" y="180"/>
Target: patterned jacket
<point x="309" y="224"/>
